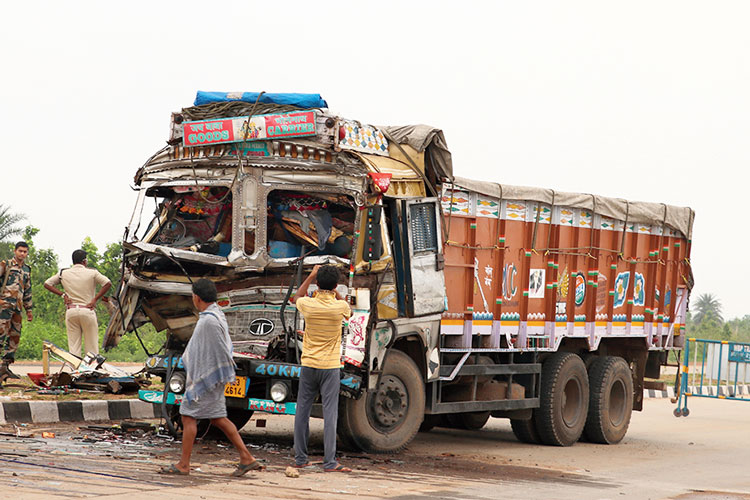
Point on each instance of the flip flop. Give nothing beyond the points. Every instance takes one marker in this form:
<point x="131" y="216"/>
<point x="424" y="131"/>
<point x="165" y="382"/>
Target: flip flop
<point x="173" y="470"/>
<point x="338" y="468"/>
<point x="243" y="469"/>
<point x="306" y="464"/>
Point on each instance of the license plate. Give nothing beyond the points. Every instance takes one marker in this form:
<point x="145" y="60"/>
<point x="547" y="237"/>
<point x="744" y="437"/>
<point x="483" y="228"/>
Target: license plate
<point x="236" y="389"/>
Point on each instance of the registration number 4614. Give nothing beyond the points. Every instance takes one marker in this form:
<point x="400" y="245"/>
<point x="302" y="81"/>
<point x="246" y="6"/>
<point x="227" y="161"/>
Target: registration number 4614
<point x="237" y="388"/>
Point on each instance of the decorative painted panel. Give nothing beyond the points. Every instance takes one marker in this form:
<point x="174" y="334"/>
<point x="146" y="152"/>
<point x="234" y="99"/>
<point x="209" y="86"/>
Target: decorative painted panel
<point x="585" y="218"/>
<point x="515" y="210"/>
<point x="545" y="215"/>
<point x="487" y="207"/>
<point x="564" y="216"/>
<point x="607" y="224"/>
<point x="459" y="204"/>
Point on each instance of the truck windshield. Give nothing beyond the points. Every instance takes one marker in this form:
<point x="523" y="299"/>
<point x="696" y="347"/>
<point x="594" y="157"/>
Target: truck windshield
<point x="197" y="218"/>
<point x="321" y="223"/>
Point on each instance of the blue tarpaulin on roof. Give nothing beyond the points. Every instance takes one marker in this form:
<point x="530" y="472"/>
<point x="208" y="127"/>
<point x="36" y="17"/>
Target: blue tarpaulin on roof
<point x="300" y="100"/>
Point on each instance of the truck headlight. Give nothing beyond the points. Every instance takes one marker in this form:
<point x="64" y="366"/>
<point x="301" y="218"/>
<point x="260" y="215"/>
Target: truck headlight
<point x="177" y="382"/>
<point x="279" y="391"/>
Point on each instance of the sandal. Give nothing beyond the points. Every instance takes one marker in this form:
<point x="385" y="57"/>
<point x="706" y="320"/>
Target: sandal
<point x="338" y="468"/>
<point x="172" y="470"/>
<point x="243" y="469"/>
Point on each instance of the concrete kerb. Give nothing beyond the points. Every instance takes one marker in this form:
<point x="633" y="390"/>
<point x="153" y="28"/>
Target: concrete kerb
<point x="123" y="409"/>
<point x="75" y="411"/>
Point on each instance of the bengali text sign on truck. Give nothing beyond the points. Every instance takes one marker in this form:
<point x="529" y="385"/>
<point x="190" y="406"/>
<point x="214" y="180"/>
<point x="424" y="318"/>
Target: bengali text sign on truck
<point x="248" y="128"/>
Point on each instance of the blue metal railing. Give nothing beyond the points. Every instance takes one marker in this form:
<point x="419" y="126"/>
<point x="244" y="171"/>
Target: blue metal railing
<point x="718" y="358"/>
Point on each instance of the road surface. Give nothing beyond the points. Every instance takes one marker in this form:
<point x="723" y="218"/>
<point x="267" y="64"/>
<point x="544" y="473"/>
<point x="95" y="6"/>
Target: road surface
<point x="703" y="456"/>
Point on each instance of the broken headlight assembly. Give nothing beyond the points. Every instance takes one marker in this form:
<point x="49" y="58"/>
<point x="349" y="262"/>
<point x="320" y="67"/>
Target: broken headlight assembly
<point x="177" y="383"/>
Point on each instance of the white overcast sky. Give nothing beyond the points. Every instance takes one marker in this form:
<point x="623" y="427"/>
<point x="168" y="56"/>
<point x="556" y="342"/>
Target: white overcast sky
<point x="641" y="100"/>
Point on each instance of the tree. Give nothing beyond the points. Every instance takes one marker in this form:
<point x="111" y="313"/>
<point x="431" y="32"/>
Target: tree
<point x="740" y="328"/>
<point x="726" y="332"/>
<point x="107" y="263"/>
<point x="8" y="221"/>
<point x="707" y="307"/>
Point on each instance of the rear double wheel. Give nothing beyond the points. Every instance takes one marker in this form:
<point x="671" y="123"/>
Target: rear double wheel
<point x="472" y="421"/>
<point x="611" y="400"/>
<point x="564" y="400"/>
<point x="525" y="430"/>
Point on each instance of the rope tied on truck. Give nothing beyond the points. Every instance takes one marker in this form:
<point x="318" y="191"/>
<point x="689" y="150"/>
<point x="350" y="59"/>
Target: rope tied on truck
<point x="451" y="243"/>
<point x="240" y="168"/>
<point x="235" y="108"/>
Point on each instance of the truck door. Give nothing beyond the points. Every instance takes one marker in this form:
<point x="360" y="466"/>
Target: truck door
<point x="421" y="244"/>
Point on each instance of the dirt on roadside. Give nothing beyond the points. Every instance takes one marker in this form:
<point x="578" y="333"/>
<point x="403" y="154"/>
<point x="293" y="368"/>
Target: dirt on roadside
<point x="24" y="389"/>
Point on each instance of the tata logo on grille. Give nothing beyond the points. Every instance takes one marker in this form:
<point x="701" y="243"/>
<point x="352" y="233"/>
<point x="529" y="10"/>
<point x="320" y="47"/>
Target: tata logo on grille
<point x="261" y="326"/>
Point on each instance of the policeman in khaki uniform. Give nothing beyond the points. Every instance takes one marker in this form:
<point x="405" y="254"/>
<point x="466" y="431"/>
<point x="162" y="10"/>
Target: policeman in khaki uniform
<point x="15" y="289"/>
<point x="80" y="298"/>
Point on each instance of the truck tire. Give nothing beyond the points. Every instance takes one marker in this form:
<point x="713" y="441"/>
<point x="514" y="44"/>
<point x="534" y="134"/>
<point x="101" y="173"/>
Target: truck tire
<point x="472" y="421"/>
<point x="525" y="430"/>
<point x="610" y="400"/>
<point x="237" y="416"/>
<point x="386" y="420"/>
<point x="344" y="433"/>
<point x="431" y="421"/>
<point x="564" y="401"/>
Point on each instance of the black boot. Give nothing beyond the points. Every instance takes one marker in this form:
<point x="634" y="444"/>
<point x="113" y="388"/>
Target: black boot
<point x="5" y="372"/>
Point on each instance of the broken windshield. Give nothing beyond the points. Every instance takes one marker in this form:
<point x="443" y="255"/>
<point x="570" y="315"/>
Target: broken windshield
<point x="309" y="223"/>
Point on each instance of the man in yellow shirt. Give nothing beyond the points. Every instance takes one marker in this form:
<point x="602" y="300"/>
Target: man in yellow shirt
<point x="321" y="363"/>
<point x="80" y="298"/>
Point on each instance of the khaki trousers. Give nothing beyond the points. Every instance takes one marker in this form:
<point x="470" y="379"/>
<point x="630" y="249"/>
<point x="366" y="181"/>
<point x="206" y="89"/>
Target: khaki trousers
<point x="81" y="324"/>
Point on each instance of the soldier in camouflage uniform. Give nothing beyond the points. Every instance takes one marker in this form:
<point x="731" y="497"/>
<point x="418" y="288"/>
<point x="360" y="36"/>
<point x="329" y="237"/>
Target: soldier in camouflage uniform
<point x="15" y="290"/>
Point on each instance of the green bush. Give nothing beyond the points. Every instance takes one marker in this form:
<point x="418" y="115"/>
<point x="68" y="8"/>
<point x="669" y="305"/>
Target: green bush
<point x="36" y="332"/>
<point x="128" y="350"/>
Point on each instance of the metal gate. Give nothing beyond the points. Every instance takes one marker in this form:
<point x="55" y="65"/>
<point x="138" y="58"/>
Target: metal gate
<point x="713" y="369"/>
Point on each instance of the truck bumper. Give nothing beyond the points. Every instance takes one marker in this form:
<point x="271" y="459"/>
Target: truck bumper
<point x="253" y="404"/>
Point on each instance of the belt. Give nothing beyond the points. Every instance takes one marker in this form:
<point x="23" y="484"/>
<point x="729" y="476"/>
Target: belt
<point x="77" y="306"/>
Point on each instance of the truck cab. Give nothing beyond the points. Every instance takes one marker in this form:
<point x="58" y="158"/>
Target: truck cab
<point x="254" y="216"/>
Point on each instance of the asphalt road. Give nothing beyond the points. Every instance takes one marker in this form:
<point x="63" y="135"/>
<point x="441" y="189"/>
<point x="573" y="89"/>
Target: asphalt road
<point x="705" y="455"/>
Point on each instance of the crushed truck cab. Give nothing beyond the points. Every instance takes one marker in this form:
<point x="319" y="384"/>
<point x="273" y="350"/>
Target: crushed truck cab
<point x="470" y="299"/>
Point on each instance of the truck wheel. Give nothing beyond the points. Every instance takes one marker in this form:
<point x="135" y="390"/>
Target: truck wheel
<point x="525" y="430"/>
<point x="564" y="401"/>
<point x="386" y="420"/>
<point x="344" y="433"/>
<point x="237" y="416"/>
<point x="472" y="421"/>
<point x="432" y="421"/>
<point x="611" y="400"/>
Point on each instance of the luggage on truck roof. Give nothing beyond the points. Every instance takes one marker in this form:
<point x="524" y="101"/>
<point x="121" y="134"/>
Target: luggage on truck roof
<point x="291" y="99"/>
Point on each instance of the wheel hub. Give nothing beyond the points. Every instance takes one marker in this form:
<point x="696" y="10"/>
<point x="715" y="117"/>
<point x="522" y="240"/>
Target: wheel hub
<point x="571" y="403"/>
<point x="390" y="402"/>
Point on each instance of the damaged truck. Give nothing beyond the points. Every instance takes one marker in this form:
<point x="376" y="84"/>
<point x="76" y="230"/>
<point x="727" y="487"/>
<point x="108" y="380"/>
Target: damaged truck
<point x="471" y="299"/>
